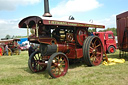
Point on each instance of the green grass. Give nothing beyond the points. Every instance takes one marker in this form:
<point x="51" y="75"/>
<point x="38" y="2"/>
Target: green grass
<point x="14" y="71"/>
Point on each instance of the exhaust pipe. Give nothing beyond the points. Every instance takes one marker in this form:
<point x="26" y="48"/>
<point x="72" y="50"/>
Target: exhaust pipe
<point x="46" y="9"/>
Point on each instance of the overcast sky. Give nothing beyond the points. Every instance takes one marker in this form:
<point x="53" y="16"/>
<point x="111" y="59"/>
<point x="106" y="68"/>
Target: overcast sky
<point x="100" y="11"/>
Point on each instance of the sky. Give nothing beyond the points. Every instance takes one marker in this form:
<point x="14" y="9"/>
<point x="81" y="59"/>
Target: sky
<point x="99" y="11"/>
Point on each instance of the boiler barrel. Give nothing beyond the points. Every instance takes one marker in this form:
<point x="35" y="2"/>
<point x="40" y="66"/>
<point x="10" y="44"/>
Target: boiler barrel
<point x="50" y="49"/>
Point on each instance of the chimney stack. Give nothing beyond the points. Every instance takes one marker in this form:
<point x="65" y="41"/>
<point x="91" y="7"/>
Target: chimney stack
<point x="46" y="9"/>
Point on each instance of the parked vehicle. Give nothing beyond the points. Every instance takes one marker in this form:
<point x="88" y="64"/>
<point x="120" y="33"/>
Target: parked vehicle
<point x="23" y="47"/>
<point x="60" y="41"/>
<point x="108" y="40"/>
<point x="26" y="43"/>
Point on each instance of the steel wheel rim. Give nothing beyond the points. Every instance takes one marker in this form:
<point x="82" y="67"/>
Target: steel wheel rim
<point x="95" y="51"/>
<point x="59" y="66"/>
<point x="35" y="63"/>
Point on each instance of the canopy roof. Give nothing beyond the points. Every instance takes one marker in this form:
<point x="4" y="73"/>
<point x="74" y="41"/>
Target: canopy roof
<point x="33" y="20"/>
<point x="9" y="40"/>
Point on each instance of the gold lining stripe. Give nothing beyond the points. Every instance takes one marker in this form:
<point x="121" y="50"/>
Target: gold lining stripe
<point x="67" y="46"/>
<point x="57" y="48"/>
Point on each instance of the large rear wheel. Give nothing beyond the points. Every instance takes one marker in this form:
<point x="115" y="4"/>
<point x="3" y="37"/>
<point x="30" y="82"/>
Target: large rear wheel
<point x="58" y="65"/>
<point x="92" y="51"/>
<point x="35" y="62"/>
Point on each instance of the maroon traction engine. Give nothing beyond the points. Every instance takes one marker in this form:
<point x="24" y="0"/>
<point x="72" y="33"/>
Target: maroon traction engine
<point x="60" y="41"/>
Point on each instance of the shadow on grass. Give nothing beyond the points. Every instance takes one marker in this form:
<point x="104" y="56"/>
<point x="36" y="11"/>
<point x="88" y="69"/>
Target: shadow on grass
<point x="45" y="73"/>
<point x="76" y="63"/>
<point x="73" y="64"/>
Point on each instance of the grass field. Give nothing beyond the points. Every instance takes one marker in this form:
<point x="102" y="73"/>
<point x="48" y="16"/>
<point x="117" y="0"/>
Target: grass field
<point x="14" y="71"/>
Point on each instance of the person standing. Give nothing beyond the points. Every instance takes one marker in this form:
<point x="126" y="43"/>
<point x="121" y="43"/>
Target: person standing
<point x="6" y="49"/>
<point x="31" y="49"/>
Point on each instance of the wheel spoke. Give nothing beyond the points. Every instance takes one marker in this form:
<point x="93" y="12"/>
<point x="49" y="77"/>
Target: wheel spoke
<point x="59" y="71"/>
<point x="92" y="44"/>
<point x="99" y="53"/>
<point x="93" y="59"/>
<point x="62" y="63"/>
<point x="98" y="45"/>
<point x="95" y="42"/>
<point x="35" y="57"/>
<point x="53" y="69"/>
<point x="91" y="56"/>
<point x="91" y="47"/>
<point x="91" y="50"/>
<point x="97" y="59"/>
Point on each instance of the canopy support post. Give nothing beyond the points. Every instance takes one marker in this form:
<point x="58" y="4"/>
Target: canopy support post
<point x="27" y="31"/>
<point x="37" y="30"/>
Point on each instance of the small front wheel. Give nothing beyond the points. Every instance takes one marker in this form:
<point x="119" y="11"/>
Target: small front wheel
<point x="57" y="65"/>
<point x="111" y="49"/>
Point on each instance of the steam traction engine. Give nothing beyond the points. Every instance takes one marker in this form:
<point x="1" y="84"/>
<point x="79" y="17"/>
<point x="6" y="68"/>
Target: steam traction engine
<point x="13" y="46"/>
<point x="60" y="41"/>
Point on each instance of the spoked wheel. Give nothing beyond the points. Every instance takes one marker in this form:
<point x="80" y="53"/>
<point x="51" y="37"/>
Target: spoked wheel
<point x="35" y="62"/>
<point x="111" y="49"/>
<point x="92" y="51"/>
<point x="9" y="52"/>
<point x="58" y="65"/>
<point x="17" y="51"/>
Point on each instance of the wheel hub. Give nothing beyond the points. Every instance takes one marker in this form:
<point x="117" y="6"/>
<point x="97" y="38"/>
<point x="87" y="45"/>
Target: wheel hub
<point x="59" y="65"/>
<point x="94" y="51"/>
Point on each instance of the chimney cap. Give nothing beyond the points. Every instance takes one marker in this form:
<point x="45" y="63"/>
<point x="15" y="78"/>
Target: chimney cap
<point x="47" y="15"/>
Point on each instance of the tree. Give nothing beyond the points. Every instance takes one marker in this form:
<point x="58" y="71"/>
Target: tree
<point x="13" y="37"/>
<point x="8" y="37"/>
<point x="110" y="29"/>
<point x="91" y="30"/>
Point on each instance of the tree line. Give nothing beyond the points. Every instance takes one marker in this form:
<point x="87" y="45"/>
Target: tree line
<point x="13" y="37"/>
<point x="108" y="29"/>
